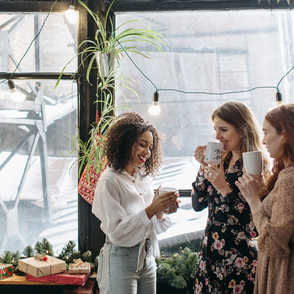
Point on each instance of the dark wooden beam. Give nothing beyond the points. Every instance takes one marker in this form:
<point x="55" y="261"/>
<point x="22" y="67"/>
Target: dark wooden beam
<point x="181" y="5"/>
<point x="147" y="5"/>
<point x="90" y="235"/>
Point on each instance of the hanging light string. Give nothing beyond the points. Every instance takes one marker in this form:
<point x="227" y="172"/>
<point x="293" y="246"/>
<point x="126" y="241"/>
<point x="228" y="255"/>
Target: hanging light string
<point x="37" y="35"/>
<point x="209" y="93"/>
<point x="157" y="89"/>
<point x="284" y="77"/>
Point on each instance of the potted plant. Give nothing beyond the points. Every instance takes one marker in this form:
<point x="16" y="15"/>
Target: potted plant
<point x="103" y="53"/>
<point x="111" y="44"/>
<point x="90" y="152"/>
<point x="175" y="274"/>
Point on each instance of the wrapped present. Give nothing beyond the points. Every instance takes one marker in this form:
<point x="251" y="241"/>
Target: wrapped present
<point x="5" y="270"/>
<point x="63" y="278"/>
<point x="38" y="268"/>
<point x="79" y="267"/>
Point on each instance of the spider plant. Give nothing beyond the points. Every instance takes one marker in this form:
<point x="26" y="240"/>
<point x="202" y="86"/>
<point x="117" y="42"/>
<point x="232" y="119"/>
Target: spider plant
<point x="113" y="44"/>
<point x="91" y="151"/>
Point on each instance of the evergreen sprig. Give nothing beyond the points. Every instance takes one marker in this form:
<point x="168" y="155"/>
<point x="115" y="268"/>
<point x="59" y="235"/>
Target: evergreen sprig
<point x="67" y="250"/>
<point x="29" y="251"/>
<point x="11" y="258"/>
<point x="87" y="256"/>
<point x="44" y="247"/>
<point x="178" y="269"/>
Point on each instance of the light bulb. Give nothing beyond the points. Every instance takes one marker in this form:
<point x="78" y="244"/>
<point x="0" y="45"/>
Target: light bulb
<point x="16" y="96"/>
<point x="154" y="109"/>
<point x="279" y="98"/>
<point x="71" y="14"/>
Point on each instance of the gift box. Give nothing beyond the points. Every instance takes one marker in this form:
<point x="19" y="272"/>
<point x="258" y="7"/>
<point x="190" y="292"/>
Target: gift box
<point x="63" y="278"/>
<point x="5" y="270"/>
<point x="79" y="267"/>
<point x="40" y="268"/>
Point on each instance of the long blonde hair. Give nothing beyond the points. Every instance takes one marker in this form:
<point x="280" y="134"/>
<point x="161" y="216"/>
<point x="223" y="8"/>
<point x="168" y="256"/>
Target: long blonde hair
<point x="240" y="116"/>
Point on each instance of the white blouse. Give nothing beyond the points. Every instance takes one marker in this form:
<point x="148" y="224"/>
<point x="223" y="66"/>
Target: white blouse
<point x="119" y="203"/>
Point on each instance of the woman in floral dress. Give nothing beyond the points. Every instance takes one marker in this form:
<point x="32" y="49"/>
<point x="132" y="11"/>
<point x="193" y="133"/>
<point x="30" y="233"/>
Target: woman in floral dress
<point x="227" y="259"/>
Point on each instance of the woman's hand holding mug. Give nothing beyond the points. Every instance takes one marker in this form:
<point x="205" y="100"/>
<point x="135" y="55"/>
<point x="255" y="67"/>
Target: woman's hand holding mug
<point x="199" y="155"/>
<point x="161" y="202"/>
<point x="249" y="187"/>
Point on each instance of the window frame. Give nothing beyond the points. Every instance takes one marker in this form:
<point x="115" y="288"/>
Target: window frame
<point x="90" y="236"/>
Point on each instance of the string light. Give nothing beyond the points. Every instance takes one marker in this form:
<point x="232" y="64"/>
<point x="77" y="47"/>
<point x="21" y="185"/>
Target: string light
<point x="279" y="98"/>
<point x="72" y="8"/>
<point x="36" y="36"/>
<point x="154" y="108"/>
<point x="71" y="14"/>
<point x="16" y="96"/>
<point x="278" y="94"/>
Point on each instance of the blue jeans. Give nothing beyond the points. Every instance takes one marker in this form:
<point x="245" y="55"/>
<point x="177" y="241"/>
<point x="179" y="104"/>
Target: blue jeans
<point x="117" y="271"/>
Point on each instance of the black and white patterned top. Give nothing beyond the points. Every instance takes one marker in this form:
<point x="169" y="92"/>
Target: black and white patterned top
<point x="228" y="256"/>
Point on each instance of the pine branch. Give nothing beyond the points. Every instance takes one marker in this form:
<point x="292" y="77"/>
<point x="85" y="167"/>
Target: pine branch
<point x="177" y="270"/>
<point x="29" y="251"/>
<point x="67" y="250"/>
<point x="47" y="247"/>
<point x="87" y="256"/>
<point x="38" y="247"/>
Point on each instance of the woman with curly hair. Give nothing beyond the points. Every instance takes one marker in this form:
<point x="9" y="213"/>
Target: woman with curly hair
<point x="130" y="214"/>
<point x="274" y="216"/>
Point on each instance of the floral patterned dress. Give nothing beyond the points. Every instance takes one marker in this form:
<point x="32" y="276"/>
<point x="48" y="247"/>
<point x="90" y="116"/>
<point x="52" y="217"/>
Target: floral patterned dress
<point x="228" y="256"/>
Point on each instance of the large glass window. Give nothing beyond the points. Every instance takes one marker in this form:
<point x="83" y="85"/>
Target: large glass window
<point x="209" y="58"/>
<point x="38" y="185"/>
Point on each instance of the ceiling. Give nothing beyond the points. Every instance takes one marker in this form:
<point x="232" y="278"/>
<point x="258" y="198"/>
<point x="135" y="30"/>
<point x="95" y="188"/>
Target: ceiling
<point x="150" y="5"/>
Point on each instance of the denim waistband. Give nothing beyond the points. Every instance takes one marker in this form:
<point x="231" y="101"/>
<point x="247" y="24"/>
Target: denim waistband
<point x="147" y="242"/>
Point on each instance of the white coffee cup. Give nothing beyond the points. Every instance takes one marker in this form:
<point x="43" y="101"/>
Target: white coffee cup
<point x="253" y="162"/>
<point x="163" y="190"/>
<point x="214" y="151"/>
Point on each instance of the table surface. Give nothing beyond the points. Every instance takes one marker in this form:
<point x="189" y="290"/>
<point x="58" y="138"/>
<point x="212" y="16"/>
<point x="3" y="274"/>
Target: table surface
<point x="21" y="280"/>
<point x="16" y="280"/>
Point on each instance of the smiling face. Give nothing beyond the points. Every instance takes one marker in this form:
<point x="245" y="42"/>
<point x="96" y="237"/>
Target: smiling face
<point x="272" y="141"/>
<point x="227" y="134"/>
<point x="141" y="151"/>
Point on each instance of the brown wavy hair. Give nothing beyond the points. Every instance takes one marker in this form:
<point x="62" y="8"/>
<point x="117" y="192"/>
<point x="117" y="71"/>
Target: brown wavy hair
<point x="240" y="116"/>
<point x="282" y="119"/>
<point x="124" y="132"/>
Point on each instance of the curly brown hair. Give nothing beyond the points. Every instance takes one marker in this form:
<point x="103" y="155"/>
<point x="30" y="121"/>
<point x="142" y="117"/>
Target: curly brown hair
<point x="124" y="132"/>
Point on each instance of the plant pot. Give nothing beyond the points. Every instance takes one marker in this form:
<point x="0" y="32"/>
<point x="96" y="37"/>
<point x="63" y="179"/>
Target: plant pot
<point x="105" y="63"/>
<point x="163" y="288"/>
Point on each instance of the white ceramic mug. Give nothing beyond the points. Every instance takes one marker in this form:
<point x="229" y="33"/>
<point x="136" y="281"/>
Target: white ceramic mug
<point x="253" y="162"/>
<point x="214" y="152"/>
<point x="163" y="190"/>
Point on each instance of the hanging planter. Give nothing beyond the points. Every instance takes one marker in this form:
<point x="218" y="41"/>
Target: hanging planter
<point x="109" y="45"/>
<point x="103" y="54"/>
<point x="105" y="63"/>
